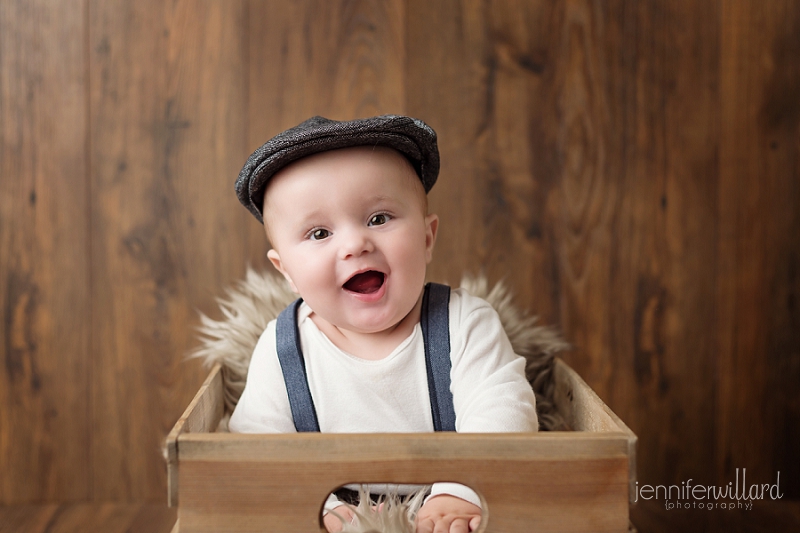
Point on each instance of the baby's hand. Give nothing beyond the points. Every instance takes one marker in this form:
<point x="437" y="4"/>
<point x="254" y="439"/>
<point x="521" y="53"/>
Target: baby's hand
<point x="332" y="522"/>
<point x="448" y="514"/>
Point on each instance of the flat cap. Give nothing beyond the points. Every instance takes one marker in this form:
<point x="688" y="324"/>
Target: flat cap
<point x="411" y="137"/>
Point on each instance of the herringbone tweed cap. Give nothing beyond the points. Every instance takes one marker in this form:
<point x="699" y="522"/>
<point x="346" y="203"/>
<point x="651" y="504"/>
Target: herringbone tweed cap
<point x="411" y="137"/>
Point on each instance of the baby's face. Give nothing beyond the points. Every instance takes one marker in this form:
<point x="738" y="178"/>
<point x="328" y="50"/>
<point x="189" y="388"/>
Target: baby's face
<point x="350" y="233"/>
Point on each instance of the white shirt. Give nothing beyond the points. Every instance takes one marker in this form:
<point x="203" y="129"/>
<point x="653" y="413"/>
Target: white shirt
<point x="354" y="395"/>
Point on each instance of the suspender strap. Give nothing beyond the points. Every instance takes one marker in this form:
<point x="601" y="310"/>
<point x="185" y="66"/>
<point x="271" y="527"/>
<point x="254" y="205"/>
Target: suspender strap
<point x="435" y="322"/>
<point x="294" y="369"/>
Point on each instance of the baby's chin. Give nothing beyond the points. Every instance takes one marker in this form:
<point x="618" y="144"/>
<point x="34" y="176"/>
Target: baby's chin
<point x="371" y="328"/>
<point x="368" y="323"/>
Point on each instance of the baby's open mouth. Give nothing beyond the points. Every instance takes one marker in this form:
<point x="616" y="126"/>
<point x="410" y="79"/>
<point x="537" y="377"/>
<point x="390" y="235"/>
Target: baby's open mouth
<point x="365" y="282"/>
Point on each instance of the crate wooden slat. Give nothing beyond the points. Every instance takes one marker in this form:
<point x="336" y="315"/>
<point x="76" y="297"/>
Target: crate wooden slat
<point x="584" y="411"/>
<point x="201" y="416"/>
<point x="556" y="481"/>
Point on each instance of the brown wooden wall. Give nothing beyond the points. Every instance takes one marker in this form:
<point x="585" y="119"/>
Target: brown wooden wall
<point x="632" y="169"/>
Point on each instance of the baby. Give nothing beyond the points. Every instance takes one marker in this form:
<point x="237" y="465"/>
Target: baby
<point x="370" y="347"/>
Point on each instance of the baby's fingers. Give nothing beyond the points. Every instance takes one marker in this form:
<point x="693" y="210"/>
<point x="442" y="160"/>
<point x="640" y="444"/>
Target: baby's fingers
<point x="474" y="523"/>
<point x="425" y="525"/>
<point x="334" y="520"/>
<point x="459" y="525"/>
<point x="443" y="525"/>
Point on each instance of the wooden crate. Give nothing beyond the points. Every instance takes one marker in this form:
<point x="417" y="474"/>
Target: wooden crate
<point x="570" y="481"/>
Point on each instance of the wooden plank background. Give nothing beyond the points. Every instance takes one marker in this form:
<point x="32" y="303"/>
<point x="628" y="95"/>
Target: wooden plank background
<point x="631" y="169"/>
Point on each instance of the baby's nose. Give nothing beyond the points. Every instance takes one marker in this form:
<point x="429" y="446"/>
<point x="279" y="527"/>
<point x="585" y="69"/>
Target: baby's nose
<point x="356" y="243"/>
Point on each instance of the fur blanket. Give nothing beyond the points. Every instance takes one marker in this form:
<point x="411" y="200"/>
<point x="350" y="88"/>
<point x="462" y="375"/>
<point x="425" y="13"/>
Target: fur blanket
<point x="252" y="303"/>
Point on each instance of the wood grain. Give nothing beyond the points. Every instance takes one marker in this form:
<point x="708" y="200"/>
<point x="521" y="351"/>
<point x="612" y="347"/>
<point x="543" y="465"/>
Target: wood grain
<point x="69" y="518"/>
<point x="664" y="226"/>
<point x="556" y="481"/>
<point x="765" y="517"/>
<point x="451" y="77"/>
<point x="202" y="415"/>
<point x="585" y="160"/>
<point x="335" y="58"/>
<point x="168" y="105"/>
<point x="594" y="498"/>
<point x="630" y="168"/>
<point x="282" y="480"/>
<point x="758" y="339"/>
<point x="44" y="243"/>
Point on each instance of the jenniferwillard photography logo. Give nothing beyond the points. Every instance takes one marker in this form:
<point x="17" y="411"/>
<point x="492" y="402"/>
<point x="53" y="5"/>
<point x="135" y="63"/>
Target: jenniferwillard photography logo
<point x="731" y="496"/>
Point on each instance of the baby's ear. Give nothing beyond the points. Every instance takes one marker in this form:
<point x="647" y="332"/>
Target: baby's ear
<point x="275" y="259"/>
<point x="432" y="226"/>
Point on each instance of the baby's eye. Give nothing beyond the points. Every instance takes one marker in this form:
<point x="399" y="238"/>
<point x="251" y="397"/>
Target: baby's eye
<point x="319" y="234"/>
<point x="379" y="219"/>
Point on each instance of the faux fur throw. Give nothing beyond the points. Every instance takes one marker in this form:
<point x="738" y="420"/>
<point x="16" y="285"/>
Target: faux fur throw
<point x="252" y="303"/>
<point x="392" y="514"/>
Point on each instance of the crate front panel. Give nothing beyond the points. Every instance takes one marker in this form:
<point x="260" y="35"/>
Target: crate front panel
<point x="553" y="482"/>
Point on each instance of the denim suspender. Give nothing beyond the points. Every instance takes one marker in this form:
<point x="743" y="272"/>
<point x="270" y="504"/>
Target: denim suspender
<point x="294" y="369"/>
<point x="435" y="322"/>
